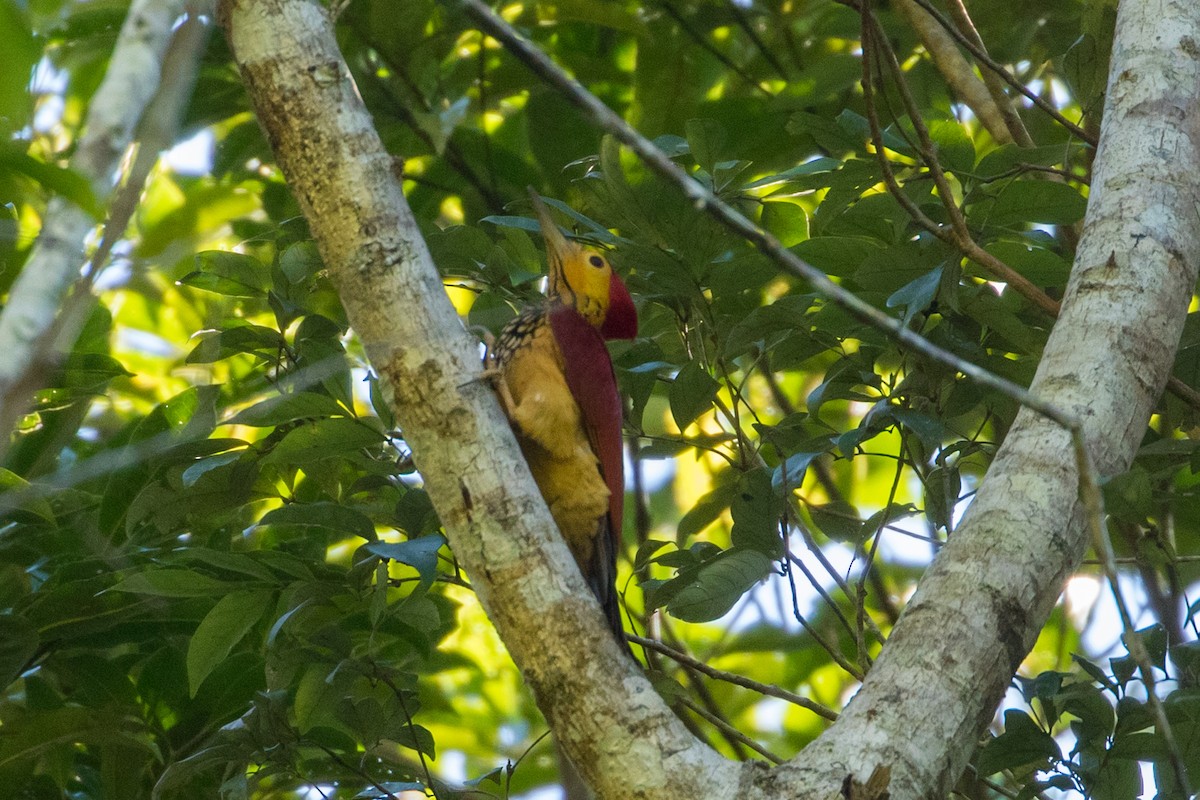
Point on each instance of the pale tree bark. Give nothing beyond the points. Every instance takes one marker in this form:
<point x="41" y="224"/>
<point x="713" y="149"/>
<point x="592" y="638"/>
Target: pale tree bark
<point x="603" y="710"/>
<point x="994" y="112"/>
<point x="980" y="606"/>
<point x="28" y="325"/>
<point x="978" y="609"/>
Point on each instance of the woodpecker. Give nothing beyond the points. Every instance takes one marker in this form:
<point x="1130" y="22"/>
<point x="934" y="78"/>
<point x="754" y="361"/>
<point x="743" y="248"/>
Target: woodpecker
<point x="556" y="383"/>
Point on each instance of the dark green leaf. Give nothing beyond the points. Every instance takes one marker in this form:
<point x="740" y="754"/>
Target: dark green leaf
<point x="171" y="582"/>
<point x="838" y="521"/>
<point x="228" y="273"/>
<point x="330" y="516"/>
<point x="1030" y="201"/>
<point x="839" y="256"/>
<point x="420" y="553"/>
<point x="221" y="629"/>
<point x="706" y="138"/>
<point x="18" y="643"/>
<point x="691" y="393"/>
<point x="756" y="510"/>
<point x="322" y="439"/>
<point x="916" y="295"/>
<point x="1021" y="744"/>
<point x="718" y="585"/>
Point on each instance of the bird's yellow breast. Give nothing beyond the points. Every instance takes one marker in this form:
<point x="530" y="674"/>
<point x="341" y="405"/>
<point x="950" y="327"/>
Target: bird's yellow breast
<point x="548" y="425"/>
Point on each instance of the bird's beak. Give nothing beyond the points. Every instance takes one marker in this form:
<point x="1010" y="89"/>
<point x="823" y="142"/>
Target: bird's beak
<point x="557" y="245"/>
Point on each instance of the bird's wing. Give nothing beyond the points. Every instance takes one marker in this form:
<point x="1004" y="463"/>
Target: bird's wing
<point x="589" y="373"/>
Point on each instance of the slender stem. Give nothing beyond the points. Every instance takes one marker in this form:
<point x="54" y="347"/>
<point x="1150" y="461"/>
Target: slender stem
<point x="731" y="732"/>
<point x="983" y="58"/>
<point x="770" y="690"/>
<point x="1093" y="500"/>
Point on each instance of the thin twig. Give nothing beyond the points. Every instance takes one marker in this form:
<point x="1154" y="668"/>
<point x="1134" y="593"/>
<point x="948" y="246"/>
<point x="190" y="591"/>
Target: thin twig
<point x="710" y="48"/>
<point x="831" y="649"/>
<point x="1089" y="492"/>
<point x="993" y="82"/>
<point x="729" y="731"/>
<point x="983" y="58"/>
<point x="767" y="689"/>
<point x="877" y="536"/>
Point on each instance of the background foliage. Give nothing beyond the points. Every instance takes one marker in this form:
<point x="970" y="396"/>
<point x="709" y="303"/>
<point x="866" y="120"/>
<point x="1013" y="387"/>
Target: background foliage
<point x="220" y="574"/>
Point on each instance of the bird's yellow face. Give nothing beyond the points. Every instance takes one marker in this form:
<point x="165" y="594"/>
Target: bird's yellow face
<point x="580" y="276"/>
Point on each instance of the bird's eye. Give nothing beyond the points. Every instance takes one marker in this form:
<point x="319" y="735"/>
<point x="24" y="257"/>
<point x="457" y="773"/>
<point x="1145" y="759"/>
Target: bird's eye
<point x="596" y="261"/>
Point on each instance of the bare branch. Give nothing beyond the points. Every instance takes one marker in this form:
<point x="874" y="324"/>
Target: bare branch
<point x="770" y="690"/>
<point x="28" y="330"/>
<point x="957" y="72"/>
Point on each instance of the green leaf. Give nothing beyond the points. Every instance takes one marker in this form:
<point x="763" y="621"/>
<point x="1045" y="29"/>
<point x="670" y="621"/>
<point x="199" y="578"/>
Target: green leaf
<point x="415" y="514"/>
<point x="1030" y="201"/>
<point x="1008" y="157"/>
<point x="691" y="394"/>
<point x="289" y="408"/>
<point x="767" y="325"/>
<point x="706" y="138"/>
<point x="1085" y="66"/>
<point x="942" y="485"/>
<point x="838" y="521"/>
<point x="1039" y="264"/>
<point x="646" y="551"/>
<point x="1154" y="639"/>
<point x="21" y="52"/>
<point x="221" y="629"/>
<point x="1183" y="713"/>
<point x="756" y="511"/>
<point x="1093" y="671"/>
<point x="60" y="180"/>
<point x="22" y="500"/>
<point x="955" y="149"/>
<point x="92" y="370"/>
<point x="18" y="644"/>
<point x="301" y="260"/>
<point x="928" y="428"/>
<point x="330" y="516"/>
<point x="814" y="167"/>
<point x="322" y="439"/>
<point x="206" y="465"/>
<point x="238" y="337"/>
<point x="1022" y="743"/>
<point x="171" y="582"/>
<point x="1140" y="747"/>
<point x="718" y="585"/>
<point x="786" y="220"/>
<point x="1186" y="658"/>
<point x="420" y="553"/>
<point x="416" y="737"/>
<point x="839" y="256"/>
<point x="917" y="295"/>
<point x="706" y="511"/>
<point x="228" y="273"/>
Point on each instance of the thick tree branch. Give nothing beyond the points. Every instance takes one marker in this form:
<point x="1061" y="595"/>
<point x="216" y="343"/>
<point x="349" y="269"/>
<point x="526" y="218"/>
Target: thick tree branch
<point x="603" y="710"/>
<point x="958" y="73"/>
<point x="28" y="324"/>
<point x="993" y="585"/>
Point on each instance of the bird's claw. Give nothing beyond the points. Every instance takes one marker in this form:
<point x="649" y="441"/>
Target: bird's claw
<point x="491" y="368"/>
